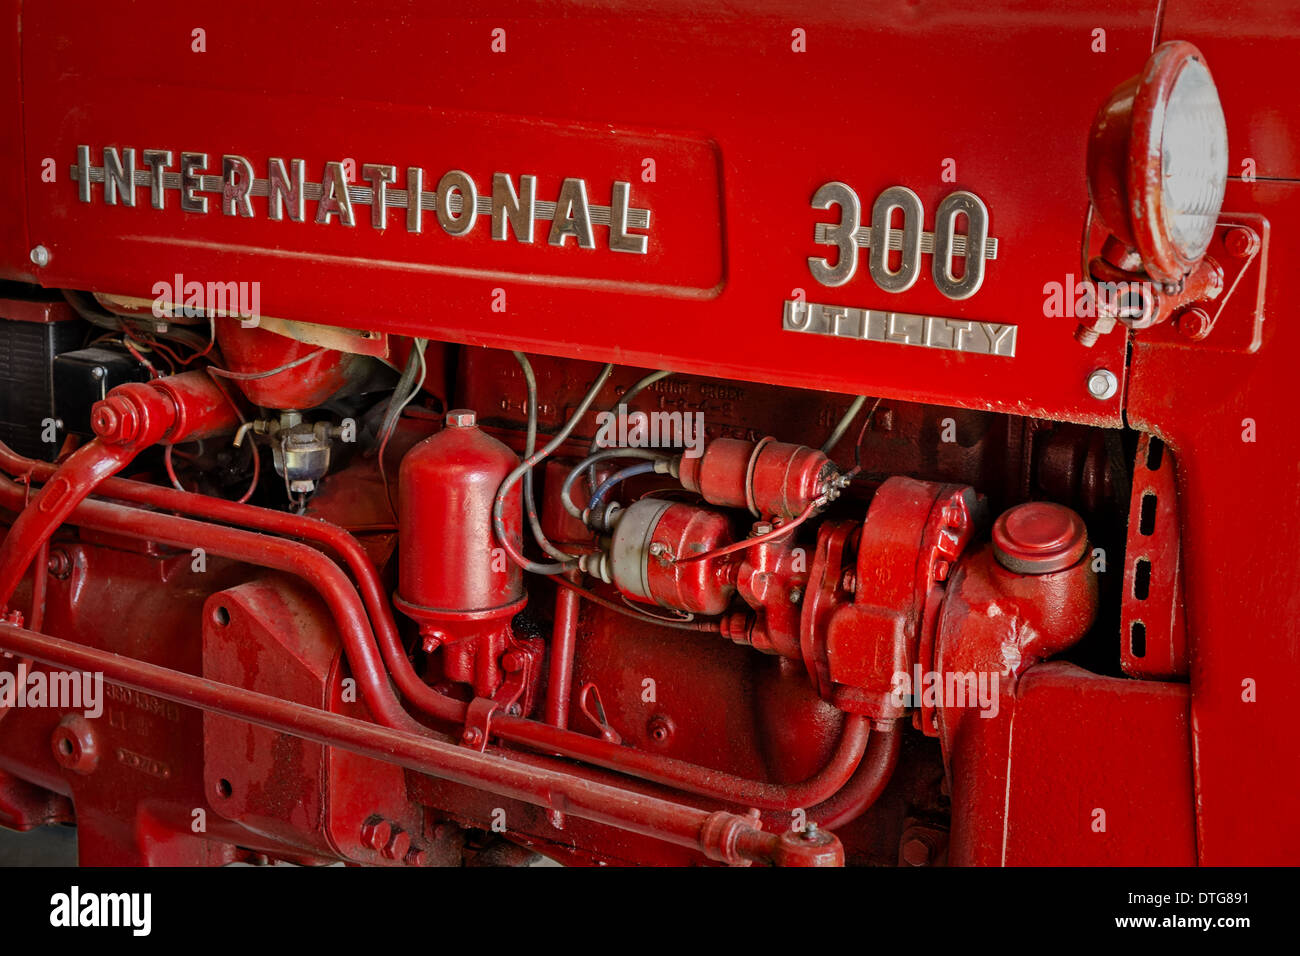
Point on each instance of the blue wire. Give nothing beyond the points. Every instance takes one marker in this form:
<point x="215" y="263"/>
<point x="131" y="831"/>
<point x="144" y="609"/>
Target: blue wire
<point x="631" y="471"/>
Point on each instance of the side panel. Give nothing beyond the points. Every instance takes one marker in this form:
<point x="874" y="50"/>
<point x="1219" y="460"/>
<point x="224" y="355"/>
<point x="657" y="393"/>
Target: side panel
<point x="1234" y="433"/>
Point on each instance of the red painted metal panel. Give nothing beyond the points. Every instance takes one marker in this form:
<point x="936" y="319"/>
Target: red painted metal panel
<point x="718" y="100"/>
<point x="14" y="170"/>
<point x="1239" y="511"/>
<point x="1099" y="773"/>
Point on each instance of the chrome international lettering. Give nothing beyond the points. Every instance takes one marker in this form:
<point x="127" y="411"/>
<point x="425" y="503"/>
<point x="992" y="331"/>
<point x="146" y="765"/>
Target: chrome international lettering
<point x="456" y="202"/>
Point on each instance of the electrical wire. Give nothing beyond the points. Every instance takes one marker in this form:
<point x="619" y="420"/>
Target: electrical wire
<point x="857" y="445"/>
<point x="623" y="474"/>
<point x="171" y="469"/>
<point x="412" y="378"/>
<point x="257" y="473"/>
<point x="257" y="466"/>
<point x="843" y="425"/>
<point x="639" y="386"/>
<point x="212" y="341"/>
<point x="498" y="506"/>
<point x="777" y="532"/>
<point x="254" y="376"/>
<point x="153" y="372"/>
<point x="708" y="626"/>
<point x="576" y="472"/>
<point x="530" y="445"/>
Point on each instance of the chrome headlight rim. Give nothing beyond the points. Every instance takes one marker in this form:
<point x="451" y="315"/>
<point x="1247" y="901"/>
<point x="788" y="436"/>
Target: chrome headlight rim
<point x="1149" y="217"/>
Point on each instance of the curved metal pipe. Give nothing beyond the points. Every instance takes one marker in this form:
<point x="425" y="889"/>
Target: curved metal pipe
<point x="75" y="479"/>
<point x="720" y="836"/>
<point x="130" y="419"/>
<point x="270" y="552"/>
<point x="691" y="778"/>
<point x="870" y="780"/>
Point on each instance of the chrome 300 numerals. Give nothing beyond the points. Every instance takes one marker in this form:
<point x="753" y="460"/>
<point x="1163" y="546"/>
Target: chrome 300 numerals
<point x="880" y="237"/>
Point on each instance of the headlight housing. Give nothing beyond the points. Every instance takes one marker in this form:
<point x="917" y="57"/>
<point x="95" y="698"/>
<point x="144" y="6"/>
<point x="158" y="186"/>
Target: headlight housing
<point x="1158" y="161"/>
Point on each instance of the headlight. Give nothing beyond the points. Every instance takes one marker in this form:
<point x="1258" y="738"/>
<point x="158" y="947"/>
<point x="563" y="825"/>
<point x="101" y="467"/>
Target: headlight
<point x="1158" y="161"/>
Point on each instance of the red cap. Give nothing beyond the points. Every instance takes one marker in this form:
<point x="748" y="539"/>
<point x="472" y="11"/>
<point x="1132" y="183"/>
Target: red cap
<point x="1039" y="537"/>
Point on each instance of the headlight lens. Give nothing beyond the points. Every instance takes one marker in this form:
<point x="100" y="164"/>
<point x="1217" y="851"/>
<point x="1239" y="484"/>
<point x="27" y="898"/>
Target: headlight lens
<point x="1158" y="162"/>
<point x="1194" y="160"/>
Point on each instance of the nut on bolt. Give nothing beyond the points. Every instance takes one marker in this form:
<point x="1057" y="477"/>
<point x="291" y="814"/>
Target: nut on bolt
<point x="60" y="563"/>
<point x="922" y="845"/>
<point x="40" y="256"/>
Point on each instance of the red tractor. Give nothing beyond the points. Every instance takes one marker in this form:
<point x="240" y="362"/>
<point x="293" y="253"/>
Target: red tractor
<point x="650" y="434"/>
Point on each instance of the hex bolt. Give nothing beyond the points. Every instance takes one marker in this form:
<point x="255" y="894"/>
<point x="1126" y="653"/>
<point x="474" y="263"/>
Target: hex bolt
<point x="1195" y="324"/>
<point x="916" y="852"/>
<point x="1102" y="384"/>
<point x="376" y="832"/>
<point x="40" y="256"/>
<point x="472" y="736"/>
<point x="460" y="418"/>
<point x="398" y="845"/>
<point x="1240" y="242"/>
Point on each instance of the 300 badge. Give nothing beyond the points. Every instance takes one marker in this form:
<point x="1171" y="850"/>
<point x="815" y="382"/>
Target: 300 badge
<point x="945" y="243"/>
